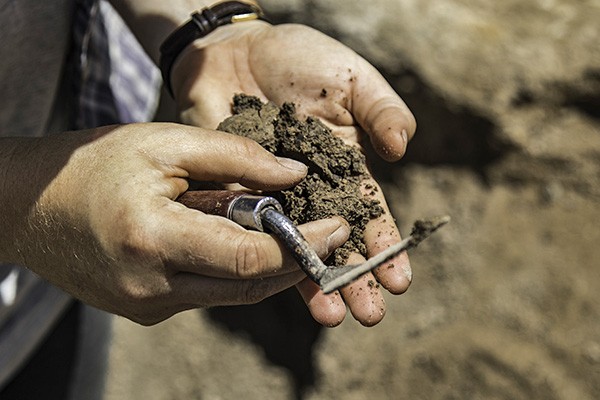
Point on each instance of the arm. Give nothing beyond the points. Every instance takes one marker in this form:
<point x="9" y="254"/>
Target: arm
<point x="93" y="213"/>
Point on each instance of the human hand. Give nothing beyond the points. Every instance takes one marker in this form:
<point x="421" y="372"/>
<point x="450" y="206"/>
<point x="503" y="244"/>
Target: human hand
<point x="100" y="220"/>
<point x="324" y="79"/>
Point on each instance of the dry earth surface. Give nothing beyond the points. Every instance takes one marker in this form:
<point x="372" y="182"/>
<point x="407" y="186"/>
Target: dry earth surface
<point x="505" y="302"/>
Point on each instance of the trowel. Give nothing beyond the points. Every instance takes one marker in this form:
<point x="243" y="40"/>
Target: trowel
<point x="265" y="214"/>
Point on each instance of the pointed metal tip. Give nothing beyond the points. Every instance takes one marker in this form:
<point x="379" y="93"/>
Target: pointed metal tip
<point x="440" y="221"/>
<point x="425" y="227"/>
<point x="337" y="277"/>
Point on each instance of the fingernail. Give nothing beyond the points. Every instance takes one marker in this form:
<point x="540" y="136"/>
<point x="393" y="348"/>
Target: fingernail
<point x="407" y="271"/>
<point x="292" y="164"/>
<point x="404" y="136"/>
<point x="404" y="262"/>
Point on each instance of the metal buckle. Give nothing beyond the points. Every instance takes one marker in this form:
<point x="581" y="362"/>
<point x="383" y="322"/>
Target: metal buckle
<point x="244" y="17"/>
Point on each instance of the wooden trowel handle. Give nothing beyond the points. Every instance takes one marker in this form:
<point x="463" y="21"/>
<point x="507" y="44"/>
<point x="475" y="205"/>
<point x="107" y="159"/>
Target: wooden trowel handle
<point x="240" y="207"/>
<point x="216" y="202"/>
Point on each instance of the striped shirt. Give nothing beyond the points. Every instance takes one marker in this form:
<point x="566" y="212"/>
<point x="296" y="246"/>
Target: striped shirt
<point x="106" y="79"/>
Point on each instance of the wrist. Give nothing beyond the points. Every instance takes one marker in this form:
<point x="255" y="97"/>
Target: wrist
<point x="213" y="56"/>
<point x="201" y="27"/>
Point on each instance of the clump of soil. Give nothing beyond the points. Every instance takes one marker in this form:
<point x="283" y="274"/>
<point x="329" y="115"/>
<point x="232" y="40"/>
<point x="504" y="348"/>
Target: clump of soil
<point x="336" y="171"/>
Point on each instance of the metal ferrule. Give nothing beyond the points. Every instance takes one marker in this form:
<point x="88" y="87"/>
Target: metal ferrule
<point x="246" y="210"/>
<point x="294" y="241"/>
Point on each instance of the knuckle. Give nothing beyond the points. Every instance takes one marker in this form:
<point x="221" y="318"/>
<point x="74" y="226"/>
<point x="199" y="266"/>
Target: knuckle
<point x="252" y="154"/>
<point x="246" y="152"/>
<point x="135" y="244"/>
<point x="249" y="259"/>
<point x="132" y="247"/>
<point x="142" y="302"/>
<point x="250" y="147"/>
<point x="253" y="292"/>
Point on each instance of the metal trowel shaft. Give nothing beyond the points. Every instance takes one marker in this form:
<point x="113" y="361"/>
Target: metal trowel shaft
<point x="262" y="213"/>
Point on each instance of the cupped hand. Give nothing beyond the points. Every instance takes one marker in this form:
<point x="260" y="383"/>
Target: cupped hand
<point x="324" y="79"/>
<point x="103" y="225"/>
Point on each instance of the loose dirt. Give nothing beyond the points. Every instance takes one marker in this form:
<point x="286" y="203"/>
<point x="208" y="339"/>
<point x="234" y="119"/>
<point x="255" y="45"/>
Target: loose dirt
<point x="336" y="171"/>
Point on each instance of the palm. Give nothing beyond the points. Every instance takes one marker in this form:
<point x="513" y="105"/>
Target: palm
<point x="292" y="63"/>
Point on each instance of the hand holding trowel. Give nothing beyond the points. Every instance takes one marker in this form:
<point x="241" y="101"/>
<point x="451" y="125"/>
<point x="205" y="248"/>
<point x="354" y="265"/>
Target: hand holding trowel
<point x="265" y="214"/>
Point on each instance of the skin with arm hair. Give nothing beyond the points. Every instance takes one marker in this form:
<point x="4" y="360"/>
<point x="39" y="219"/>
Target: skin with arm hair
<point x="94" y="211"/>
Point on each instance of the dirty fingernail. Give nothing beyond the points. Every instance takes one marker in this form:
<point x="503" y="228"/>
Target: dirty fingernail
<point x="292" y="164"/>
<point x="397" y="275"/>
<point x="404" y="136"/>
<point x="403" y="262"/>
<point x="407" y="271"/>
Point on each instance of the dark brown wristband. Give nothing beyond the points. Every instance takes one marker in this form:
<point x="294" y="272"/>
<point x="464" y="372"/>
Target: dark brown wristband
<point x="201" y="24"/>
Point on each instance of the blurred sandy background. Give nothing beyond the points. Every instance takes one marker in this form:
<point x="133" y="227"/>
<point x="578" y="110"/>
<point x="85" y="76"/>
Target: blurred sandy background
<point x="505" y="302"/>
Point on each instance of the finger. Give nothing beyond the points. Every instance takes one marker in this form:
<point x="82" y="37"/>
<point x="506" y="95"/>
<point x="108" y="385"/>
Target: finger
<point x="363" y="296"/>
<point x="381" y="113"/>
<point x="193" y="291"/>
<point x="327" y="309"/>
<point x="217" y="247"/>
<point x="380" y="233"/>
<point x="206" y="155"/>
<point x="184" y="291"/>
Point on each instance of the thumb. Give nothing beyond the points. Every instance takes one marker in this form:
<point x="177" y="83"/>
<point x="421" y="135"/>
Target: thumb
<point x="382" y="114"/>
<point x="208" y="155"/>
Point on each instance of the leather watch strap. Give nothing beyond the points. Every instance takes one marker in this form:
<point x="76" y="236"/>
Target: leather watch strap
<point x="201" y="24"/>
